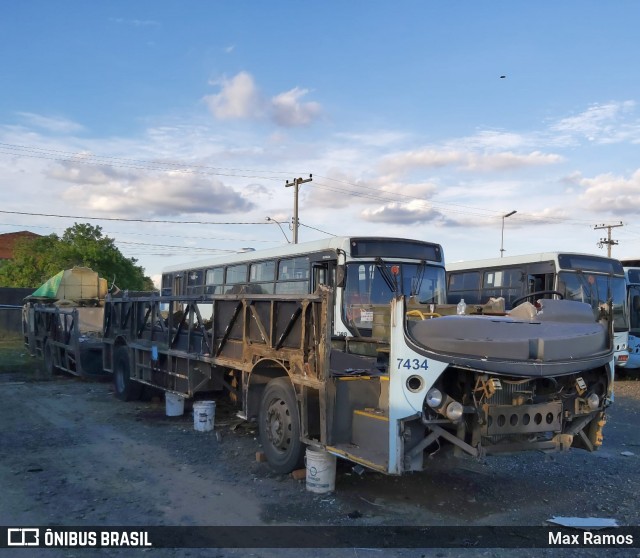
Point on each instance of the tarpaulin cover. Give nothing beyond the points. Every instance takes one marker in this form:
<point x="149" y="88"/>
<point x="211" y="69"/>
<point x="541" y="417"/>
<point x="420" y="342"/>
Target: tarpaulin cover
<point x="49" y="289"/>
<point x="73" y="285"/>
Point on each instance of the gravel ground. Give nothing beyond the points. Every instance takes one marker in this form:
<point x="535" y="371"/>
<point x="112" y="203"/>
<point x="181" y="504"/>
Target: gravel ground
<point x="71" y="454"/>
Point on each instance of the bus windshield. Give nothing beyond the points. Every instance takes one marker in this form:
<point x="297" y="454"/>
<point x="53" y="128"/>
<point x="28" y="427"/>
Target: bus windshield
<point x="634" y="309"/>
<point x="595" y="290"/>
<point x="367" y="285"/>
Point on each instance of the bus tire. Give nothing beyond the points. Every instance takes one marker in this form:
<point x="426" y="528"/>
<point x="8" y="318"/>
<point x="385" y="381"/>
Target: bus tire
<point x="126" y="388"/>
<point x="280" y="427"/>
<point x="50" y="369"/>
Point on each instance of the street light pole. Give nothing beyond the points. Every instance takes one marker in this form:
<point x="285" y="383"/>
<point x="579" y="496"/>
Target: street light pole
<point x="280" y="227"/>
<point x="502" y="235"/>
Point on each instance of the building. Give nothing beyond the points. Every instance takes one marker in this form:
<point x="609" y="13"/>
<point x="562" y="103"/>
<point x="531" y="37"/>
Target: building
<point x="8" y="240"/>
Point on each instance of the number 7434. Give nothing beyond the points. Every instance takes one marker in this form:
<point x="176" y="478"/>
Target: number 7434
<point x="412" y="363"/>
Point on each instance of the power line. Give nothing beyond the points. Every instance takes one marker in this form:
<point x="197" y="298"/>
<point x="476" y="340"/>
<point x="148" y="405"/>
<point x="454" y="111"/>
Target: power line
<point x="120" y="162"/>
<point x="319" y="230"/>
<point x="135" y="220"/>
<point x="142" y="164"/>
<point x="170" y="166"/>
<point x="155" y="235"/>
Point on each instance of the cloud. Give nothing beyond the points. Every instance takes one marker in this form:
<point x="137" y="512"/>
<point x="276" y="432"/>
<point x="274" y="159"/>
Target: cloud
<point x="240" y="99"/>
<point x="106" y="189"/>
<point x="466" y="160"/>
<point x="422" y="158"/>
<point x="491" y="140"/>
<point x="289" y="111"/>
<point x="601" y="123"/>
<point x="403" y="214"/>
<point x="51" y="123"/>
<point x="492" y="162"/>
<point x="608" y="193"/>
<point x="380" y="138"/>
<point x="545" y="216"/>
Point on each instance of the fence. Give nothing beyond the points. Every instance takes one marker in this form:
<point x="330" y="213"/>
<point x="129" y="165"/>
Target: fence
<point x="11" y="310"/>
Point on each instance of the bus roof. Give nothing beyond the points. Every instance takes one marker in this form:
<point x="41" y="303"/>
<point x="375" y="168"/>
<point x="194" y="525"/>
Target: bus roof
<point x="325" y="244"/>
<point x="514" y="260"/>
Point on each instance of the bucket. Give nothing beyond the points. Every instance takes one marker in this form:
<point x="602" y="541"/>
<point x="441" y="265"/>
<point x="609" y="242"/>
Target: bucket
<point x="321" y="471"/>
<point x="203" y="415"/>
<point x="174" y="404"/>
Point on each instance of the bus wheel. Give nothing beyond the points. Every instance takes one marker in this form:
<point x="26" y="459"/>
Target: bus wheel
<point x="49" y="365"/>
<point x="280" y="427"/>
<point x="126" y="388"/>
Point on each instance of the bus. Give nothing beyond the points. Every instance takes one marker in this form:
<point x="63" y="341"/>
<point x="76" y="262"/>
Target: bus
<point x="369" y="270"/>
<point x="582" y="277"/>
<point x="632" y="275"/>
<point x="348" y="345"/>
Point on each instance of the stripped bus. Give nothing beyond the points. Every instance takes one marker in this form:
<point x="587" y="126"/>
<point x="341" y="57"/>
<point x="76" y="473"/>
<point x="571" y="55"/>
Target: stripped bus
<point x="592" y="279"/>
<point x="348" y="345"/>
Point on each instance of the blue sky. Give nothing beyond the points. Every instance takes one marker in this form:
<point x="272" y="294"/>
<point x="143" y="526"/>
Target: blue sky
<point x="200" y="111"/>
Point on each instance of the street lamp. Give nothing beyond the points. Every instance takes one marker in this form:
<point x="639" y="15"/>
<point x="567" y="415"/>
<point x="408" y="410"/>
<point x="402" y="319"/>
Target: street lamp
<point x="280" y="227"/>
<point x="502" y="236"/>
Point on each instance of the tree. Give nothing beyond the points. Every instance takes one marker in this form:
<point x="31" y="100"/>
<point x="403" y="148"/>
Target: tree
<point x="36" y="260"/>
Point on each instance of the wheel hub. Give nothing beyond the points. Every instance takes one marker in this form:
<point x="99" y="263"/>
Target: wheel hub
<point x="278" y="424"/>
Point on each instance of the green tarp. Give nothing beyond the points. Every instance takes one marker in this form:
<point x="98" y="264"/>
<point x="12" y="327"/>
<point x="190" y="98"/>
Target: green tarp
<point x="50" y="288"/>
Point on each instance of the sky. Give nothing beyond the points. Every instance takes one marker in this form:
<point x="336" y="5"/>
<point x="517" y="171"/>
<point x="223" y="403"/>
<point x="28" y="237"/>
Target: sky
<point x="174" y="126"/>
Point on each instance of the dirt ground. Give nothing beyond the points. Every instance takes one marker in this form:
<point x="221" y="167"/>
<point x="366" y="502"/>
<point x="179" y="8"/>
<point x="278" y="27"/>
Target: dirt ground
<point x="72" y="454"/>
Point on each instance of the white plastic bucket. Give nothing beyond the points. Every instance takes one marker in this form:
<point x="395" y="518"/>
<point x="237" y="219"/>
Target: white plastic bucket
<point x="321" y="471"/>
<point x="203" y="415"/>
<point x="174" y="404"/>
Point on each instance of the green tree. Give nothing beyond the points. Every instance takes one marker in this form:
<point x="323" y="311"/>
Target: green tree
<point x="36" y="260"/>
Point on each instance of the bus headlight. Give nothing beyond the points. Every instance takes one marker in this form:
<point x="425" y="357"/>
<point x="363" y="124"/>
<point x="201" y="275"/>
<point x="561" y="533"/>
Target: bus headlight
<point x="593" y="401"/>
<point x="434" y="398"/>
<point x="454" y="410"/>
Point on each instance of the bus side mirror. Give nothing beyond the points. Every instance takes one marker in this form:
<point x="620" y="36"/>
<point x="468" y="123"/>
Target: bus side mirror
<point x="636" y="303"/>
<point x="340" y="276"/>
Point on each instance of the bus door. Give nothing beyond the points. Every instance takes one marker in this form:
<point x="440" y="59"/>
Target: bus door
<point x="323" y="273"/>
<point x="540" y="278"/>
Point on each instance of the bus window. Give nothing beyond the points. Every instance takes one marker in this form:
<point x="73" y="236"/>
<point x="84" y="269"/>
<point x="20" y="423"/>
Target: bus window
<point x="261" y="278"/>
<point x="263" y="271"/>
<point x="195" y="279"/>
<point x="596" y="290"/>
<point x="293" y="269"/>
<point x="214" y="279"/>
<point x="293" y="276"/>
<point x="634" y="308"/>
<point x="236" y="276"/>
<point x="426" y="283"/>
<point x="505" y="283"/>
<point x="465" y="284"/>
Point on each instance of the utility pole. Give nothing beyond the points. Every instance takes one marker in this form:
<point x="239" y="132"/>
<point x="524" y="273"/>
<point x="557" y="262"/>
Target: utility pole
<point x="608" y="241"/>
<point x="296" y="184"/>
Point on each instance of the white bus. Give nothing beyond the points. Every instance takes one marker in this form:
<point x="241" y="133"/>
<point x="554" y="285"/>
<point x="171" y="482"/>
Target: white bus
<point x="370" y="270"/>
<point x="633" y="291"/>
<point x="583" y="277"/>
<point x="348" y="345"/>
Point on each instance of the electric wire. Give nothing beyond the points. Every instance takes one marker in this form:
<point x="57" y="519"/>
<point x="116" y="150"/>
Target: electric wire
<point x="375" y="194"/>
